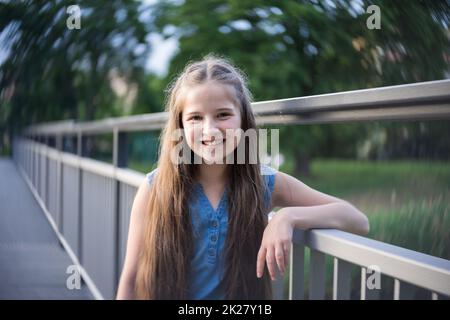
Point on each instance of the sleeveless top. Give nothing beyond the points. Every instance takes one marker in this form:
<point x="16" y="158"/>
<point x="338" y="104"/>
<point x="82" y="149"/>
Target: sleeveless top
<point x="207" y="268"/>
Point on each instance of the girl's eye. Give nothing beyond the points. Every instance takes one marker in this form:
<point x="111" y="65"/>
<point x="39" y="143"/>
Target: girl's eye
<point x="223" y="114"/>
<point x="196" y="118"/>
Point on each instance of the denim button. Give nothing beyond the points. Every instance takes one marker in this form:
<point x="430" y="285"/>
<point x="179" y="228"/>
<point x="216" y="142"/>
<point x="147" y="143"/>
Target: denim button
<point x="215" y="223"/>
<point x="213" y="238"/>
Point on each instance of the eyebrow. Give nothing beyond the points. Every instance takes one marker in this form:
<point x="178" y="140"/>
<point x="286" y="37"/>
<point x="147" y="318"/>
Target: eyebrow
<point x="220" y="109"/>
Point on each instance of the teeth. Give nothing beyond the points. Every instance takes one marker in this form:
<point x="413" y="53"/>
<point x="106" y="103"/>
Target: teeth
<point x="212" y="143"/>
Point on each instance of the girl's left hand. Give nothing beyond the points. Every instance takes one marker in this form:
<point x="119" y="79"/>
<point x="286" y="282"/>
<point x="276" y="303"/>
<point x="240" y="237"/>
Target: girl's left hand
<point x="275" y="244"/>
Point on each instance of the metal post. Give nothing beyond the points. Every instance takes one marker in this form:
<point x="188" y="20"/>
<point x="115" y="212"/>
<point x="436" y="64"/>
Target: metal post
<point x="81" y="141"/>
<point x="44" y="177"/>
<point x="297" y="266"/>
<point x="120" y="159"/>
<point x="59" y="183"/>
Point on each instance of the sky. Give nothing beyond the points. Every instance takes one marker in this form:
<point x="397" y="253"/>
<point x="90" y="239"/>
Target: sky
<point x="162" y="50"/>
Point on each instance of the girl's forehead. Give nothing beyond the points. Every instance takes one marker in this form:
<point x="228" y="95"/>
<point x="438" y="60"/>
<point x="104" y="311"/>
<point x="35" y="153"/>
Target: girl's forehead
<point x="210" y="95"/>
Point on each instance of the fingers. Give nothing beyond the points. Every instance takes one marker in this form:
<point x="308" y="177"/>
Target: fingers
<point x="279" y="257"/>
<point x="260" y="262"/>
<point x="274" y="256"/>
<point x="270" y="259"/>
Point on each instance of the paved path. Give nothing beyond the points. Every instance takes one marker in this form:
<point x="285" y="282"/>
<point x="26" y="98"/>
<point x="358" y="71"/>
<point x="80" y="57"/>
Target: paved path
<point x="32" y="262"/>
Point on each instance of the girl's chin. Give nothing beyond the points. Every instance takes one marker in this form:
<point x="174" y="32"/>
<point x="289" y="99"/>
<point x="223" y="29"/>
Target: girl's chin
<point x="205" y="154"/>
<point x="213" y="160"/>
<point x="208" y="159"/>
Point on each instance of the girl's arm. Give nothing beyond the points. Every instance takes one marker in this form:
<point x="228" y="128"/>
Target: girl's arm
<point x="309" y="208"/>
<point x="303" y="208"/>
<point x="134" y="244"/>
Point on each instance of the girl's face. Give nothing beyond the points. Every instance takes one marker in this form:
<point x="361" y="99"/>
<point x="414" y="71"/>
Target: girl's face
<point x="209" y="110"/>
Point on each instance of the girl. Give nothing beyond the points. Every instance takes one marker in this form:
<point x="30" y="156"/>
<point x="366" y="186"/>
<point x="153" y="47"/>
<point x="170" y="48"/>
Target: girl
<point x="199" y="229"/>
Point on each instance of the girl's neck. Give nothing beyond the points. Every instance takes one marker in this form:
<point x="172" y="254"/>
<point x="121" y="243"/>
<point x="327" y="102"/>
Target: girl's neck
<point x="212" y="174"/>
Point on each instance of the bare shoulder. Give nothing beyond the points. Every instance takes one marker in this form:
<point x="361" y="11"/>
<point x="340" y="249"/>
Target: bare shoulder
<point x="291" y="192"/>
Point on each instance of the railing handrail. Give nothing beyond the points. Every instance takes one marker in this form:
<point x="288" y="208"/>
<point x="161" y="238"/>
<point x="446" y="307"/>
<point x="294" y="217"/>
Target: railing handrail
<point x="130" y="177"/>
<point x="424" y="100"/>
<point x="411" y="94"/>
<point x="400" y="263"/>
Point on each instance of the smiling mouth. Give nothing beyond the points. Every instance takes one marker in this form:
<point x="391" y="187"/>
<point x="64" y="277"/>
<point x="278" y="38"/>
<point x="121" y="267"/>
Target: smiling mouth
<point x="213" y="143"/>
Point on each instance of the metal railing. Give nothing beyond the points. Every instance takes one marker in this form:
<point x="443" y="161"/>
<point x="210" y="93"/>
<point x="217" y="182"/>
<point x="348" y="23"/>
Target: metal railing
<point x="408" y="268"/>
<point x="89" y="202"/>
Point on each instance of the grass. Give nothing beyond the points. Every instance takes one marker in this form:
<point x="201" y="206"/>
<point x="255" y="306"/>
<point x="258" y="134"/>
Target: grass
<point x="407" y="202"/>
<point x="344" y="177"/>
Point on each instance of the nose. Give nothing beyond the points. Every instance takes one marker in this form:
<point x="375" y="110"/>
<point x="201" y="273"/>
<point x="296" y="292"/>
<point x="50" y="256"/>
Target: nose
<point x="210" y="129"/>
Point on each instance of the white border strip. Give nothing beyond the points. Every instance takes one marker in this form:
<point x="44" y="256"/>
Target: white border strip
<point x="87" y="279"/>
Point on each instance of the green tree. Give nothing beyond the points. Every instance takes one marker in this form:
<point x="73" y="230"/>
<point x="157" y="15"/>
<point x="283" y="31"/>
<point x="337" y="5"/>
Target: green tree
<point x="52" y="72"/>
<point x="300" y="48"/>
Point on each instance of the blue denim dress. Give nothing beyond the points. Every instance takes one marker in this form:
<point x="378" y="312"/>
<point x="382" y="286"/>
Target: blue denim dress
<point x="210" y="230"/>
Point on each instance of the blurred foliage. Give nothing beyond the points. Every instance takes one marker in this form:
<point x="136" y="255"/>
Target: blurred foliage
<point x="52" y="72"/>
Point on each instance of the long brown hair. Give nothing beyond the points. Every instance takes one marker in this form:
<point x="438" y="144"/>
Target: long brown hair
<point x="168" y="238"/>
